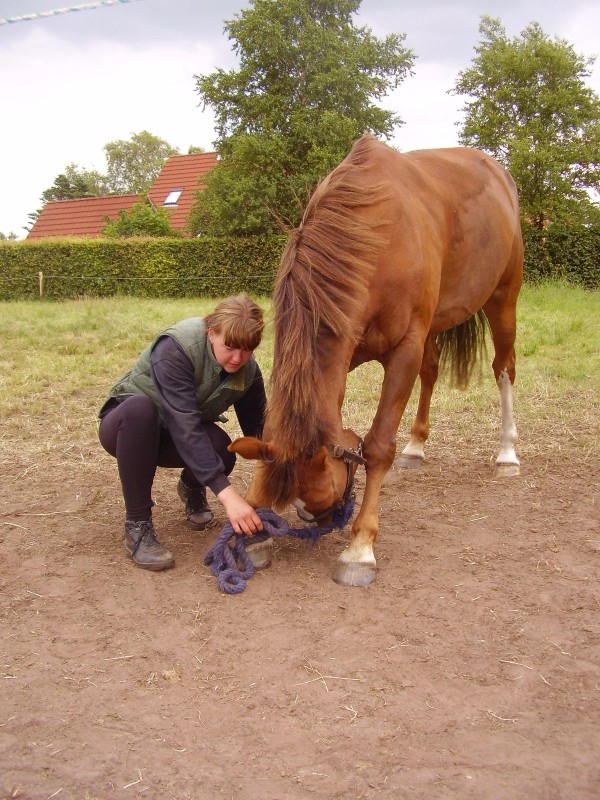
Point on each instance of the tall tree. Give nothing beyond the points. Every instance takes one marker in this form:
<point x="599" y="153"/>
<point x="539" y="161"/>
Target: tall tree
<point x="306" y="88"/>
<point x="74" y="183"/>
<point x="134" y="165"/>
<point x="71" y="184"/>
<point x="531" y="109"/>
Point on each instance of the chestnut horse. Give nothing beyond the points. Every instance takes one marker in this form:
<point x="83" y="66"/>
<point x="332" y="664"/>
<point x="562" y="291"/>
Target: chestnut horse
<point x="399" y="258"/>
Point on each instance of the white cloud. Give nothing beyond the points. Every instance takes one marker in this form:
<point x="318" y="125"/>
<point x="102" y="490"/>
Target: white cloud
<point x="62" y="104"/>
<point x="428" y="111"/>
<point x="582" y="28"/>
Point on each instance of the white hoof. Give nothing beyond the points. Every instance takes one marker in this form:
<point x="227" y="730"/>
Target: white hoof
<point x="260" y="552"/>
<point x="407" y="461"/>
<point x="351" y="574"/>
<point x="506" y="470"/>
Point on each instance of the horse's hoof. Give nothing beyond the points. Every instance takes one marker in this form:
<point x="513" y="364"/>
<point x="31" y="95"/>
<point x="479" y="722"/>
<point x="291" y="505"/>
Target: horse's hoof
<point x="352" y="574"/>
<point x="409" y="462"/>
<point x="260" y="552"/>
<point x="506" y="470"/>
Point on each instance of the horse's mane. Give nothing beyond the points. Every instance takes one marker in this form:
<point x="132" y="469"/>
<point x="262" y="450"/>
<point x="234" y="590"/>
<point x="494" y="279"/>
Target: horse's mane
<point x="320" y="289"/>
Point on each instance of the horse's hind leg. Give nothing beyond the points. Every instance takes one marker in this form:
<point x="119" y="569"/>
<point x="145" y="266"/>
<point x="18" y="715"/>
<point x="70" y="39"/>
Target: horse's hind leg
<point x="501" y="313"/>
<point x="413" y="454"/>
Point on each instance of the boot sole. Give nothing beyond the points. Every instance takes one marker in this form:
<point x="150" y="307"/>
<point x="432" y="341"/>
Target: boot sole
<point x="199" y="526"/>
<point x="157" y="567"/>
<point x="154" y="567"/>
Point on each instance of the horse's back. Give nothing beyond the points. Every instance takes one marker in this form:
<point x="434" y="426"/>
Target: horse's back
<point x="448" y="173"/>
<point x="453" y="221"/>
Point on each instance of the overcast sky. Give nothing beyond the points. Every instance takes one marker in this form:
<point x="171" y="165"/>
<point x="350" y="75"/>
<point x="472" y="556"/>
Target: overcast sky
<point x="72" y="82"/>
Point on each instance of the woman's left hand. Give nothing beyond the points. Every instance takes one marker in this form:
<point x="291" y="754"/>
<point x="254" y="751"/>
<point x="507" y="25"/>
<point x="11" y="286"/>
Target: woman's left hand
<point x="241" y="515"/>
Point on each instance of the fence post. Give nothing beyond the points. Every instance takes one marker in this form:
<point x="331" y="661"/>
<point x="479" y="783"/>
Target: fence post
<point x="41" y="282"/>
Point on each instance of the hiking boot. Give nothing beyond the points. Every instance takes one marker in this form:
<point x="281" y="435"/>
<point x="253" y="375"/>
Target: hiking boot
<point x="259" y="548"/>
<point x="144" y="548"/>
<point x="197" y="511"/>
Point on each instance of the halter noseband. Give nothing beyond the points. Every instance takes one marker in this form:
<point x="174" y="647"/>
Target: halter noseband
<point x="349" y="456"/>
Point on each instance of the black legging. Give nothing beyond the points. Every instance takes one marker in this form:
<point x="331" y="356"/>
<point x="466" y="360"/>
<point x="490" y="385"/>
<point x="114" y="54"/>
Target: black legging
<point x="132" y="432"/>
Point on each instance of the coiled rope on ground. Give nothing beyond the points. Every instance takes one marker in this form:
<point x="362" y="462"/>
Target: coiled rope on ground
<point x="230" y="563"/>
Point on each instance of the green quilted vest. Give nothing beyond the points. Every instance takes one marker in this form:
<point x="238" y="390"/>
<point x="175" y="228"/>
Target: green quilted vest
<point x="213" y="395"/>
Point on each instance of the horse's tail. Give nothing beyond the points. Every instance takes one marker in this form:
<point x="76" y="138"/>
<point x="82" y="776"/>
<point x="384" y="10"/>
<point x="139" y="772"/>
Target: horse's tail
<point x="462" y="347"/>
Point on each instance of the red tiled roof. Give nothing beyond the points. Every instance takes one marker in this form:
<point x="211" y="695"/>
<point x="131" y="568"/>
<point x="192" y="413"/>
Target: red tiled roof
<point x="85" y="216"/>
<point x="81" y="217"/>
<point x="187" y="174"/>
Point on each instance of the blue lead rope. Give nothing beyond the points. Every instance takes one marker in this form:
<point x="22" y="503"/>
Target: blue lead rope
<point x="230" y="563"/>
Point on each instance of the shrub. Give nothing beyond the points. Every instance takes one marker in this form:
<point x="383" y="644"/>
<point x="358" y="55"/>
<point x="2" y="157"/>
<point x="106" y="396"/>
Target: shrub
<point x="215" y="267"/>
<point x="141" y="220"/>
<point x="164" y="267"/>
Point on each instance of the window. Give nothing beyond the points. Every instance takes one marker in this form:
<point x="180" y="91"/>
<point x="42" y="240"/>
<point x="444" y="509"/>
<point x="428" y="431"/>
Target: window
<point x="173" y="197"/>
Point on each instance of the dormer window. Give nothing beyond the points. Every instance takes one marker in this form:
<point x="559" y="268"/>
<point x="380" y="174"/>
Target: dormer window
<point x="173" y="197"/>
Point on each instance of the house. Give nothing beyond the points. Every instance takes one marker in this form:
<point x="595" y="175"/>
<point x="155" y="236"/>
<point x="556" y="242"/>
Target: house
<point x="176" y="186"/>
<point x="82" y="217"/>
<point x="174" y="189"/>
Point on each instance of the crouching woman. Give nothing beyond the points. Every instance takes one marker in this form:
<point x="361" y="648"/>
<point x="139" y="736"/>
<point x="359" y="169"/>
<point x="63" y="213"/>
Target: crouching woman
<point x="164" y="412"/>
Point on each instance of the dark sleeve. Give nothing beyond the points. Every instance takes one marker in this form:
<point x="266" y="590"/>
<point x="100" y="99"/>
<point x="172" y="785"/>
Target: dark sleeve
<point x="173" y="376"/>
<point x="250" y="409"/>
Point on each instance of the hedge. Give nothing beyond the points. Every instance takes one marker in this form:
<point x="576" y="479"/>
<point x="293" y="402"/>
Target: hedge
<point x="72" y="268"/>
<point x="214" y="267"/>
<point x="570" y="253"/>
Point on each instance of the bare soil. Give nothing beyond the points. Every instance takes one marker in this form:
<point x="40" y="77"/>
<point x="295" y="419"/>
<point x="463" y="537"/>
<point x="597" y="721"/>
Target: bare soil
<point x="470" y="669"/>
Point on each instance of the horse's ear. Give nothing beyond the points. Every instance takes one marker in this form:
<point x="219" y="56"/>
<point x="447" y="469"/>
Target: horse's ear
<point x="252" y="448"/>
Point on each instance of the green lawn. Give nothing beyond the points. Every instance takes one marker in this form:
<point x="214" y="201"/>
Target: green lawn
<point x="59" y="360"/>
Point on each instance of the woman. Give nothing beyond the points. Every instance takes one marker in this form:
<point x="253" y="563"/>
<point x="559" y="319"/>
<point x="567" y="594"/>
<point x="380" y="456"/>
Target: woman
<point x="164" y="413"/>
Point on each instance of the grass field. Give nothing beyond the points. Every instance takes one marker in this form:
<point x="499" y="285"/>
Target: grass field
<point x="59" y="360"/>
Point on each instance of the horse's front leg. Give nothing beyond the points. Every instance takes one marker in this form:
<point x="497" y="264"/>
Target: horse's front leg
<point x="356" y="565"/>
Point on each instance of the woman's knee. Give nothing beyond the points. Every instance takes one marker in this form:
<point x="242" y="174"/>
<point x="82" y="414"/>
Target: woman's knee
<point x="139" y="410"/>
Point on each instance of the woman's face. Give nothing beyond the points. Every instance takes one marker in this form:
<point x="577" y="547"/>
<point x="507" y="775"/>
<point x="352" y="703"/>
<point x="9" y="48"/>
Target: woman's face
<point x="230" y="359"/>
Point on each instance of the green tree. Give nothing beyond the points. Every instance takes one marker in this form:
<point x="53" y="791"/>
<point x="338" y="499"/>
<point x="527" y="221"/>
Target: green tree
<point x="95" y="182"/>
<point x="531" y="109"/>
<point x="306" y="88"/>
<point x="74" y="183"/>
<point x="11" y="237"/>
<point x="141" y="219"/>
<point x="134" y="165"/>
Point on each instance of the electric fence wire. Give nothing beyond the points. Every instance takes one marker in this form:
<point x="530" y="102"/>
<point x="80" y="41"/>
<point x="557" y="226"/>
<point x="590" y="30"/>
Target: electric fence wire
<point x="64" y="10"/>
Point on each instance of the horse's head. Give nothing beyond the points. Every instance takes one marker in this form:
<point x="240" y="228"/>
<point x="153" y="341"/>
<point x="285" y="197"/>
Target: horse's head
<point x="320" y="484"/>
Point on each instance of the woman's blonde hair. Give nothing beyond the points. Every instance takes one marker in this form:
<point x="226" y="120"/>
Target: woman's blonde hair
<point x="239" y="321"/>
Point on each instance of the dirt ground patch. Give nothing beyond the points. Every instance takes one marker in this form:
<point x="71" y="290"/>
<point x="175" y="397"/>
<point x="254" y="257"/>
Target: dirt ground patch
<point x="470" y="669"/>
